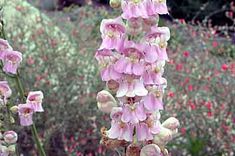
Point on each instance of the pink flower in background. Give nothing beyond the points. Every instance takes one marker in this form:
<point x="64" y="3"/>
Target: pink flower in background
<point x="25" y="112"/>
<point x="134" y="9"/>
<point x="4" y="46"/>
<point x="11" y="61"/>
<point x="132" y="60"/>
<point x="35" y="100"/>
<point x="5" y="91"/>
<point x="112" y="31"/>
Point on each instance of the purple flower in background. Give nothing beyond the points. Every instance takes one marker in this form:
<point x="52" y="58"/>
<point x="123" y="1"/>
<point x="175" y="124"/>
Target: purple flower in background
<point x="5" y="91"/>
<point x="25" y="112"/>
<point x="11" y="61"/>
<point x="4" y="46"/>
<point x="35" y="100"/>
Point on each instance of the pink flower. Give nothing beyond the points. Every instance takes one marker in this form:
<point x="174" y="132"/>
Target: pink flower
<point x="156" y="7"/>
<point x="224" y="67"/>
<point x="4" y="46"/>
<point x="153" y="74"/>
<point x="145" y="132"/>
<point x="186" y="53"/>
<point x="120" y="130"/>
<point x="134" y="9"/>
<point x="35" y="100"/>
<point x="112" y="31"/>
<point x="131" y="89"/>
<point x="132" y="61"/>
<point x="10" y="137"/>
<point x="5" y="91"/>
<point x="25" y="112"/>
<point x="11" y="61"/>
<point x="106" y="58"/>
<point x="157" y="43"/>
<point x="133" y="113"/>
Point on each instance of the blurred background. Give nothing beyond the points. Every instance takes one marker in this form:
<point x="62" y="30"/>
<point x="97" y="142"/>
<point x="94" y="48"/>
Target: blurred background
<point x="58" y="39"/>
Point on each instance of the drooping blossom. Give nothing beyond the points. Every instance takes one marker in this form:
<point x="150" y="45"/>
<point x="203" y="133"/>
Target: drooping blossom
<point x="131" y="88"/>
<point x="10" y="137"/>
<point x="153" y="101"/>
<point x="157" y="42"/>
<point x="25" y="112"/>
<point x="5" y="91"/>
<point x="4" y="47"/>
<point x="146" y="130"/>
<point x="106" y="59"/>
<point x="134" y="9"/>
<point x="11" y="61"/>
<point x="153" y="74"/>
<point x="131" y="61"/>
<point x="112" y="33"/>
<point x="133" y="113"/>
<point x="35" y="98"/>
<point x="120" y="130"/>
<point x="154" y="7"/>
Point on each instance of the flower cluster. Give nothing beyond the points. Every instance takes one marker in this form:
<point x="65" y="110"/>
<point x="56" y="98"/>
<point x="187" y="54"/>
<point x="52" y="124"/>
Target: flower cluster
<point x="10" y="61"/>
<point x="132" y="57"/>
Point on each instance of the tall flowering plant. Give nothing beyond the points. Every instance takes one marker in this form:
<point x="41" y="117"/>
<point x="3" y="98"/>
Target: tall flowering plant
<point x="131" y="58"/>
<point x="29" y="103"/>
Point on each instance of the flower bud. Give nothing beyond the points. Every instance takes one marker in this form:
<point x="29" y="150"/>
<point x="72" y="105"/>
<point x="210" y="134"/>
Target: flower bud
<point x="133" y="150"/>
<point x="10" y="137"/>
<point x="14" y="109"/>
<point x="105" y="101"/>
<point x="11" y="149"/>
<point x="115" y="3"/>
<point x="163" y="137"/>
<point x="151" y="149"/>
<point x="171" y="123"/>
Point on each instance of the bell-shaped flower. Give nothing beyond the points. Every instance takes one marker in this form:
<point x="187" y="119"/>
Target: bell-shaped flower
<point x="153" y="101"/>
<point x="131" y="89"/>
<point x="35" y="100"/>
<point x="25" y="112"/>
<point x="153" y="74"/>
<point x="5" y="91"/>
<point x="106" y="59"/>
<point x="134" y="9"/>
<point x="4" y="47"/>
<point x="11" y="61"/>
<point x="10" y="137"/>
<point x="120" y="130"/>
<point x="147" y="129"/>
<point x="112" y="31"/>
<point x="157" y="39"/>
<point x="133" y="113"/>
<point x="150" y="150"/>
<point x="156" y="7"/>
<point x="132" y="61"/>
<point x="105" y="101"/>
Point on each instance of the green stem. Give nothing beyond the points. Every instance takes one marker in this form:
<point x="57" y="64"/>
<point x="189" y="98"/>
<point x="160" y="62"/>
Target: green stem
<point x="36" y="138"/>
<point x="33" y="127"/>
